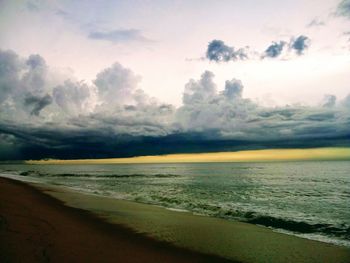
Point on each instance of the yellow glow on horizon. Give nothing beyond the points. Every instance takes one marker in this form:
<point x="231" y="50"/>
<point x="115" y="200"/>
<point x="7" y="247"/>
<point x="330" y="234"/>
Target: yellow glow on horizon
<point x="240" y="156"/>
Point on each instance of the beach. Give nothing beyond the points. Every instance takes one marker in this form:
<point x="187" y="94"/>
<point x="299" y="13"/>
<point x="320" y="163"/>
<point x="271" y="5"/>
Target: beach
<point x="35" y="227"/>
<point x="54" y="225"/>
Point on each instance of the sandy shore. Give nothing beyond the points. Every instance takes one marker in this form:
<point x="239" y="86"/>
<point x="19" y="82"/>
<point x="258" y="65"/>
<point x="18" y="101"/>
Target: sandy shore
<point x="233" y="240"/>
<point x="61" y="233"/>
<point x="35" y="227"/>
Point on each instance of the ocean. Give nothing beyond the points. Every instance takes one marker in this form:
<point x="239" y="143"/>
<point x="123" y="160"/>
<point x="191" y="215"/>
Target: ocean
<point x="309" y="199"/>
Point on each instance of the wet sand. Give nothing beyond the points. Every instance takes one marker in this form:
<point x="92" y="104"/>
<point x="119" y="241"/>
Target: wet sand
<point x="230" y="239"/>
<point x="35" y="227"/>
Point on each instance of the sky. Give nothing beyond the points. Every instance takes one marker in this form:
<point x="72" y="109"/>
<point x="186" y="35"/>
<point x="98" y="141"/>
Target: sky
<point x="98" y="79"/>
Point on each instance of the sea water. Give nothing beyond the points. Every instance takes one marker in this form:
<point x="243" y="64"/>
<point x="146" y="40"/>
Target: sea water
<point x="309" y="199"/>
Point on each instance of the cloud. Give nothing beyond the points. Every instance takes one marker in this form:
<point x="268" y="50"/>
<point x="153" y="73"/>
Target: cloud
<point x="329" y="100"/>
<point x="316" y="23"/>
<point x="346" y="102"/>
<point x="62" y="13"/>
<point x="72" y="97"/>
<point x="23" y="84"/>
<point x="119" y="36"/>
<point x="33" y="6"/>
<point x="227" y="115"/>
<point x="347" y="34"/>
<point x="201" y="90"/>
<point x="233" y="89"/>
<point x="343" y="8"/>
<point x="10" y="66"/>
<point x="218" y="51"/>
<point x="113" y="117"/>
<point x="300" y="44"/>
<point x="275" y="49"/>
<point x="37" y="103"/>
<point x="116" y="84"/>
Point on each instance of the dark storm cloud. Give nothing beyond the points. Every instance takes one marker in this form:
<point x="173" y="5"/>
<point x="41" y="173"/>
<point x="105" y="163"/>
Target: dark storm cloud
<point x="37" y="103"/>
<point x="112" y="117"/>
<point x="119" y="36"/>
<point x="275" y="49"/>
<point x="300" y="44"/>
<point x="343" y="8"/>
<point x="218" y="51"/>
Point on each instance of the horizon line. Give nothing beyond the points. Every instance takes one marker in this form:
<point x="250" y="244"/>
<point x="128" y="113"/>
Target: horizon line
<point x="264" y="155"/>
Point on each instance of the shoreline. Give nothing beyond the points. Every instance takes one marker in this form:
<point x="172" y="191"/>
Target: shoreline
<point x="239" y="242"/>
<point x="36" y="227"/>
<point x="51" y="189"/>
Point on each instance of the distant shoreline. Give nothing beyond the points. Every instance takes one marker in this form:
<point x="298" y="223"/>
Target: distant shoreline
<point x="266" y="155"/>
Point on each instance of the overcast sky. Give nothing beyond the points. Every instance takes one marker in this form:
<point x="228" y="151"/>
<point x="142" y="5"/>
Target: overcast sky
<point x="246" y="72"/>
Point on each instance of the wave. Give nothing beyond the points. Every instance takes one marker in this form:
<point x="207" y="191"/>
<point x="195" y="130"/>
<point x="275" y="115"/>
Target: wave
<point x="341" y="231"/>
<point x="106" y="176"/>
<point x="304" y="226"/>
<point x="301" y="227"/>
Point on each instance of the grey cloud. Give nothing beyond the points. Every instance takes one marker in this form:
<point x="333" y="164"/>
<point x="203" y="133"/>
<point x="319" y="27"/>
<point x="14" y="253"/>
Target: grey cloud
<point x="125" y="121"/>
<point x="316" y="23"/>
<point x="119" y="36"/>
<point x="329" y="100"/>
<point x="36" y="61"/>
<point x="116" y="84"/>
<point x="241" y="119"/>
<point x="233" y="89"/>
<point x="37" y="103"/>
<point x="343" y="8"/>
<point x="300" y="44"/>
<point x="10" y="66"/>
<point x="346" y="102"/>
<point x="204" y="108"/>
<point x="198" y="91"/>
<point x="34" y="78"/>
<point x="218" y="51"/>
<point x="23" y="85"/>
<point x="71" y="96"/>
<point x="33" y="6"/>
<point x="62" y="13"/>
<point x="275" y="49"/>
<point x="347" y="34"/>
